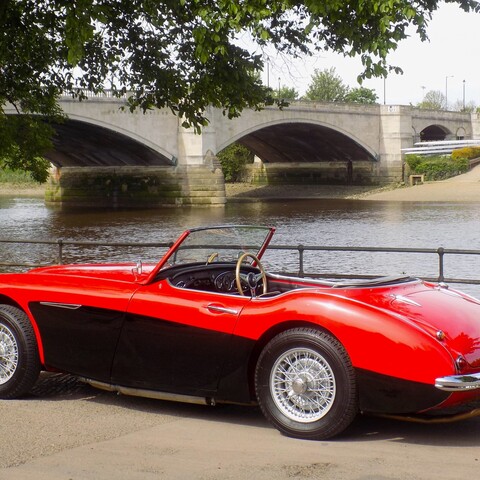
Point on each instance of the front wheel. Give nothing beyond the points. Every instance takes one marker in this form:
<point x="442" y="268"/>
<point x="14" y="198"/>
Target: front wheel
<point x="19" y="361"/>
<point x="305" y="384"/>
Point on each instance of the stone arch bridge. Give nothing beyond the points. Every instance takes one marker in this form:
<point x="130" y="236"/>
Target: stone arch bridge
<point x="106" y="155"/>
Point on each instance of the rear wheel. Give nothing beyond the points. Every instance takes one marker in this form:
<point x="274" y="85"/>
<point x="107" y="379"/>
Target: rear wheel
<point x="305" y="384"/>
<point x="19" y="362"/>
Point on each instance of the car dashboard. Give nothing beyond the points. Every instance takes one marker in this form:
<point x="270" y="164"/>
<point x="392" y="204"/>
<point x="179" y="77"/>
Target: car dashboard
<point x="215" y="277"/>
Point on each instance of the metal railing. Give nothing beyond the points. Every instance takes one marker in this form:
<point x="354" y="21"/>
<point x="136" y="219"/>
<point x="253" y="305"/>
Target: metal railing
<point x="439" y="253"/>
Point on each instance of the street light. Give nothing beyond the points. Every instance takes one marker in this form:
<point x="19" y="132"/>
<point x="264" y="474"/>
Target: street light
<point x="423" y="92"/>
<point x="464" y="95"/>
<point x="446" y="90"/>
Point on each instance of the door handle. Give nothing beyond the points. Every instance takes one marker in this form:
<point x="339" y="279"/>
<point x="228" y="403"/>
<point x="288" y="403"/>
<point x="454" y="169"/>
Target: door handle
<point x="219" y="309"/>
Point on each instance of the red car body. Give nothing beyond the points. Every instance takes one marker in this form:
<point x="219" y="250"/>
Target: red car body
<point x="312" y="353"/>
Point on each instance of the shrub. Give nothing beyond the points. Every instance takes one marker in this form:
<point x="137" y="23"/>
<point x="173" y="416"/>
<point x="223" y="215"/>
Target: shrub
<point x="15" y="177"/>
<point x="466" y="152"/>
<point x="437" y="167"/>
<point x="413" y="161"/>
<point x="233" y="159"/>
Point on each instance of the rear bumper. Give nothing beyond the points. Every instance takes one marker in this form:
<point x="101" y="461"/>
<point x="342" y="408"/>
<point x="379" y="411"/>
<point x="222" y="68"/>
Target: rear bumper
<point x="459" y="383"/>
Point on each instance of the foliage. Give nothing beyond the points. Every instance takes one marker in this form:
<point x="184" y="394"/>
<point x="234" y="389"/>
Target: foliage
<point x="436" y="167"/>
<point x="413" y="161"/>
<point x="183" y="55"/>
<point x="361" y="95"/>
<point x="326" y="86"/>
<point x="234" y="158"/>
<point x="285" y="93"/>
<point x="468" y="108"/>
<point x="433" y="100"/>
<point x="15" y="177"/>
<point x="466" y="152"/>
<point x="23" y="141"/>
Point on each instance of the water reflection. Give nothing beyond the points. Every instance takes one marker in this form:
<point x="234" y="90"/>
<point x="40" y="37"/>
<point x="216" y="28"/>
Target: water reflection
<point x="313" y="222"/>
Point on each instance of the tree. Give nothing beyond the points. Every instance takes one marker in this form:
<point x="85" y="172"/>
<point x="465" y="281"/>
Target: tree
<point x="285" y="93"/>
<point x="183" y="55"/>
<point x="361" y="95"/>
<point x="469" y="107"/>
<point x="433" y="100"/>
<point x="326" y="86"/>
<point x="233" y="159"/>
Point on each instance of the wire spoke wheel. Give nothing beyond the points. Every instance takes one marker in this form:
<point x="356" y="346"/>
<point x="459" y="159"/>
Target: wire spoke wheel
<point x="8" y="354"/>
<point x="19" y="359"/>
<point x="303" y="385"/>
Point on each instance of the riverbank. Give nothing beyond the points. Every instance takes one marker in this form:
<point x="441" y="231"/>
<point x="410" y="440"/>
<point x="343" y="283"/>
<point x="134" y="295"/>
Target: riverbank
<point x="21" y="190"/>
<point x="462" y="188"/>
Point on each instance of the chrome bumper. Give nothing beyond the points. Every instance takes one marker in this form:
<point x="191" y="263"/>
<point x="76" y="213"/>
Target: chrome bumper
<point x="458" y="383"/>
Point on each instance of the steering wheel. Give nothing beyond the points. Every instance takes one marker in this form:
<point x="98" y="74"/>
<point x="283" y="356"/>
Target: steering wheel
<point x="251" y="279"/>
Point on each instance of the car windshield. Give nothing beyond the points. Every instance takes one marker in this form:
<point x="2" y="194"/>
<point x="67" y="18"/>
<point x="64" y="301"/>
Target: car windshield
<point x="221" y="244"/>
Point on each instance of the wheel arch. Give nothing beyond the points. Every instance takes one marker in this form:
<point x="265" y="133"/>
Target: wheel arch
<point x="6" y="300"/>
<point x="268" y="335"/>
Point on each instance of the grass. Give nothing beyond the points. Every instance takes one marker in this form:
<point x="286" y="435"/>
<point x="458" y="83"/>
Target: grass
<point x="17" y="178"/>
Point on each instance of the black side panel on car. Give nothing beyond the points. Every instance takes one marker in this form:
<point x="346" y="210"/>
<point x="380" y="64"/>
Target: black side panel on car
<point x="383" y="394"/>
<point x="76" y="339"/>
<point x="161" y="355"/>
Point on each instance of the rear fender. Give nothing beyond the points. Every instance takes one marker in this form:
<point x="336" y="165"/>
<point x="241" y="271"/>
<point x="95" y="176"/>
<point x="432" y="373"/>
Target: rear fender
<point x="376" y="340"/>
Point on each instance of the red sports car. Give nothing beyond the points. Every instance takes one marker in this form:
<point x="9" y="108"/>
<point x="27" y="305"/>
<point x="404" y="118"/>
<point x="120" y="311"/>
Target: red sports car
<point x="208" y="324"/>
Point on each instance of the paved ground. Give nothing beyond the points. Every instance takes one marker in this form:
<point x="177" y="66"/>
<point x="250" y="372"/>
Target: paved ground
<point x="67" y="431"/>
<point x="463" y="188"/>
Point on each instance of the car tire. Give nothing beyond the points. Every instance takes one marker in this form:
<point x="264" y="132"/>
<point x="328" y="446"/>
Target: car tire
<point x="305" y="384"/>
<point x="19" y="360"/>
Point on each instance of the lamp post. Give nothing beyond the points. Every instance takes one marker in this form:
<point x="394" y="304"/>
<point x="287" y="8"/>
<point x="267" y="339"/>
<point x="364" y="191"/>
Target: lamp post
<point x="446" y="90"/>
<point x="423" y="92"/>
<point x="464" y="95"/>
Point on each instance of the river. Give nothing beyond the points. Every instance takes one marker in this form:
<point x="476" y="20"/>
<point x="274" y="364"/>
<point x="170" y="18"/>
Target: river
<point x="308" y="222"/>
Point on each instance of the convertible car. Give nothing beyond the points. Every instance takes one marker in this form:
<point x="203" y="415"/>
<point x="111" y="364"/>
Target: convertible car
<point x="208" y="324"/>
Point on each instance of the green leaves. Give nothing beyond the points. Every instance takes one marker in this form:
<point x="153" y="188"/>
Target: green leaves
<point x="23" y="141"/>
<point x="79" y="29"/>
<point x="326" y="86"/>
<point x="185" y="55"/>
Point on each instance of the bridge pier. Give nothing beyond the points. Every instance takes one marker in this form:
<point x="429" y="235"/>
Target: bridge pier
<point x="136" y="187"/>
<point x="312" y="173"/>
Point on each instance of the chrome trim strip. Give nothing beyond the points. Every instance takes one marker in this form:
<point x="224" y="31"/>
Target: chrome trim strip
<point x="138" y="392"/>
<point x="68" y="306"/>
<point x="217" y="309"/>
<point x="458" y="383"/>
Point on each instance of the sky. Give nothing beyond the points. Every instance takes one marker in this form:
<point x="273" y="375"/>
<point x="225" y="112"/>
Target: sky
<point x="451" y="56"/>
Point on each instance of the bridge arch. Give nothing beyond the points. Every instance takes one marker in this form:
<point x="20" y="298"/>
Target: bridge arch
<point x="300" y="151"/>
<point x="87" y="143"/>
<point x="434" y="133"/>
<point x="300" y="140"/>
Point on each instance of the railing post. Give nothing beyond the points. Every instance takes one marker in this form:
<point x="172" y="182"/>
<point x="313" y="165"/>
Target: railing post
<point x="60" y="251"/>
<point x="441" y="253"/>
<point x="301" y="249"/>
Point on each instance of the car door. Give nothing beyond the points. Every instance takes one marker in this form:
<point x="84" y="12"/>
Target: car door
<point x="175" y="339"/>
